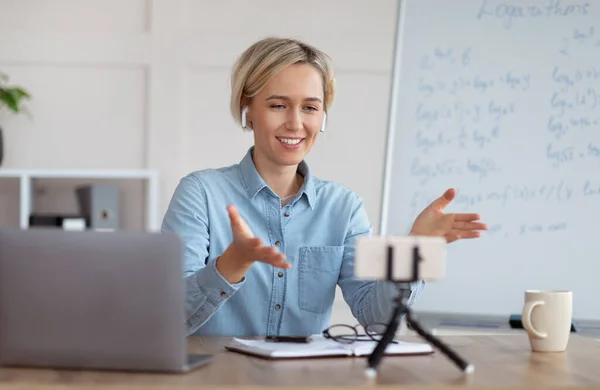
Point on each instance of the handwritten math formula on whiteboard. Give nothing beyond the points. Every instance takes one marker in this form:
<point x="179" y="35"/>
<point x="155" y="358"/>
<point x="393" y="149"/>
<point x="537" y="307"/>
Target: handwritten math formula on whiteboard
<point x="501" y="100"/>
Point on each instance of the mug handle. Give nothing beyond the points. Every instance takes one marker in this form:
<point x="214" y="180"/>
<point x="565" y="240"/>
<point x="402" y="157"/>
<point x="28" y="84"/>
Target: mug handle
<point x="527" y="319"/>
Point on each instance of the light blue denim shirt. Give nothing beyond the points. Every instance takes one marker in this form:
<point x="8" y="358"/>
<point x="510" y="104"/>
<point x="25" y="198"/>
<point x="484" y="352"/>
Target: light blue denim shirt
<point x="316" y="230"/>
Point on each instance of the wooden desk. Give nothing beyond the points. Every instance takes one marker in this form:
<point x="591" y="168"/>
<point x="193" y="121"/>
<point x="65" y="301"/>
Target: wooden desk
<point x="503" y="360"/>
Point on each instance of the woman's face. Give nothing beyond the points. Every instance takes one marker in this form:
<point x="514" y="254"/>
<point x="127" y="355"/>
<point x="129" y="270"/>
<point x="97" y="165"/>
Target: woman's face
<point x="287" y="114"/>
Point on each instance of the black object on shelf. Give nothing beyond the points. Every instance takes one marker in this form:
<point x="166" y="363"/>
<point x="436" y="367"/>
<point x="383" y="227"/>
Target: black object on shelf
<point x="56" y="220"/>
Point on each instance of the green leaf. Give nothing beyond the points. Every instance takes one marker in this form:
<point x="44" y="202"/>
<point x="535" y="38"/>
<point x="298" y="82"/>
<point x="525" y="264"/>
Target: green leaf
<point x="17" y="94"/>
<point x="9" y="101"/>
<point x="11" y="97"/>
<point x="23" y="93"/>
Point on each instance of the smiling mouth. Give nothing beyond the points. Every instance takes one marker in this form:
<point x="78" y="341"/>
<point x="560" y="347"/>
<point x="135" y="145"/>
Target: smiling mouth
<point x="290" y="141"/>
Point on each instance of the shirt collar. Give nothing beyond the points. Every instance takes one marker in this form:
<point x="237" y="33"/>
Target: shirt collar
<point x="253" y="182"/>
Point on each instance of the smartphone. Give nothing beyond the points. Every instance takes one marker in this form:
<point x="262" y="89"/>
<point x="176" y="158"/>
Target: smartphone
<point x="288" y="339"/>
<point x="391" y="258"/>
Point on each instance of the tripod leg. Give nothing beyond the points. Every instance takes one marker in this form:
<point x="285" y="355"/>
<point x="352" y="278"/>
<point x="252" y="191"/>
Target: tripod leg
<point x="446" y="350"/>
<point x="386" y="339"/>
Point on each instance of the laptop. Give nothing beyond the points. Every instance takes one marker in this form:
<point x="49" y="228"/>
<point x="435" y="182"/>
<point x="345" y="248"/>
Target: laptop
<point x="93" y="300"/>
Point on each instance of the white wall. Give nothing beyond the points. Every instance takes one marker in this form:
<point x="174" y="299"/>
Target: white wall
<point x="145" y="84"/>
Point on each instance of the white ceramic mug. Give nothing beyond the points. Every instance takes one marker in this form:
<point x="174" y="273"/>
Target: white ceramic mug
<point x="547" y="319"/>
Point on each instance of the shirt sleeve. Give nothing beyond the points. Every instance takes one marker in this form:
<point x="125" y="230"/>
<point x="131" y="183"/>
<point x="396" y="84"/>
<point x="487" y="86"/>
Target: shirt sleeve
<point x="371" y="302"/>
<point x="206" y="289"/>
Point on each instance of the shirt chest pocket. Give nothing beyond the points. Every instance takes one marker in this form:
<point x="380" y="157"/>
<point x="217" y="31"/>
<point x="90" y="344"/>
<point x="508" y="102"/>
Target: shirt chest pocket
<point x="318" y="272"/>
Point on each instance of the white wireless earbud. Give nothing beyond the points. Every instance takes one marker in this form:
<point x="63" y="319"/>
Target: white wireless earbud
<point x="244" y="111"/>
<point x="323" y="124"/>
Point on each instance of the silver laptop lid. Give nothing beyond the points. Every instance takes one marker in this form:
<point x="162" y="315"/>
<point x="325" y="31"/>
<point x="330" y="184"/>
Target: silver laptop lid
<point x="89" y="299"/>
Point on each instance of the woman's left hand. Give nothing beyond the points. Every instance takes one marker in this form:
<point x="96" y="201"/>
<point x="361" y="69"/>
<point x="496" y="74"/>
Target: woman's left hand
<point x="433" y="222"/>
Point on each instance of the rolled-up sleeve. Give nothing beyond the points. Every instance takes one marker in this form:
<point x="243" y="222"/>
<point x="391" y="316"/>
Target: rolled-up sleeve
<point x="206" y="289"/>
<point x="370" y="301"/>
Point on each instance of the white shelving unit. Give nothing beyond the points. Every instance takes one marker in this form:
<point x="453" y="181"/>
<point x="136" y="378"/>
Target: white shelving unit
<point x="26" y="177"/>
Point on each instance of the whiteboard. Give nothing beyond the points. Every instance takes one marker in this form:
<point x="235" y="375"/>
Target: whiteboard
<point x="500" y="100"/>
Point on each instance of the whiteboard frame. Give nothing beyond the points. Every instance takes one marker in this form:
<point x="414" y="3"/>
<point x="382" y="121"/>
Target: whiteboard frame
<point x="393" y="100"/>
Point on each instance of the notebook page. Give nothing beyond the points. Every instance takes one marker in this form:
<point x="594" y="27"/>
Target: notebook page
<point x="316" y="347"/>
<point x="399" y="348"/>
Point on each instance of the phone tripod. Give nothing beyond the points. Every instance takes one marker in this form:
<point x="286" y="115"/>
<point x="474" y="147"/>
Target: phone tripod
<point x="401" y="308"/>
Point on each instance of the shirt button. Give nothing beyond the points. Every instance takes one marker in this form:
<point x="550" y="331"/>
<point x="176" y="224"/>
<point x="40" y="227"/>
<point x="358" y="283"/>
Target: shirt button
<point x="277" y="243"/>
<point x="280" y="274"/>
<point x="287" y="214"/>
<point x="277" y="306"/>
<point x="223" y="294"/>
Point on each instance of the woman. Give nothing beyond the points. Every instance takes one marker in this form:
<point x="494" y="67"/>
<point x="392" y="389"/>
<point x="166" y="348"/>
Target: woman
<point x="265" y="241"/>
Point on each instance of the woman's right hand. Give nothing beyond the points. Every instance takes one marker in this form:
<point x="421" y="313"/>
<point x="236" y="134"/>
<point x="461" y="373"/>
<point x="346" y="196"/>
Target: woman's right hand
<point x="245" y="249"/>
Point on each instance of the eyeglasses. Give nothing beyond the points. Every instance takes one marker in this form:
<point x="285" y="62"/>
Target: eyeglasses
<point x="349" y="334"/>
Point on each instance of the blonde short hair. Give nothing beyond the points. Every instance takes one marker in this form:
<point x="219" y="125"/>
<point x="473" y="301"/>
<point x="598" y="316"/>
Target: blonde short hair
<point x="265" y="58"/>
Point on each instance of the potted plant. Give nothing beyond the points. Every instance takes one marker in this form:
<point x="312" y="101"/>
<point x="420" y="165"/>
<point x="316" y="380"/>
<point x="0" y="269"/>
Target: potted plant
<point x="11" y="100"/>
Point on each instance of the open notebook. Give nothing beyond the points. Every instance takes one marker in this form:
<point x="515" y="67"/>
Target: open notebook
<point x="321" y="347"/>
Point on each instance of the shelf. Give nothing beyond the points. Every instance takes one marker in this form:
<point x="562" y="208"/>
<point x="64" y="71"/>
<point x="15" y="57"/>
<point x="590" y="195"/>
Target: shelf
<point x="77" y="174"/>
<point x="26" y="176"/>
